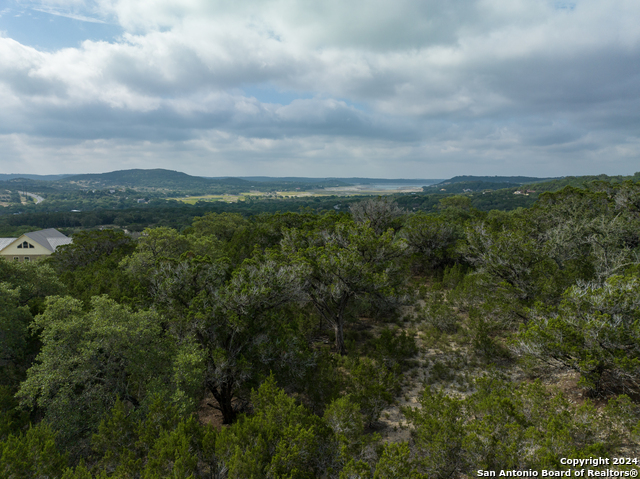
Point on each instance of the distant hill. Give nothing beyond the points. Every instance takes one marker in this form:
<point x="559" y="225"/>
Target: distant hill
<point x="289" y="181"/>
<point x="516" y="180"/>
<point x="394" y="181"/>
<point x="13" y="176"/>
<point x="138" y="178"/>
<point x="337" y="181"/>
<point x="169" y="180"/>
<point x="581" y="181"/>
<point x="468" y="186"/>
<point x="23" y="184"/>
<point x="280" y="179"/>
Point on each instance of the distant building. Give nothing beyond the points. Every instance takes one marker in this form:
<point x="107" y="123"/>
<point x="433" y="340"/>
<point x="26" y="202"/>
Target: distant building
<point x="32" y="246"/>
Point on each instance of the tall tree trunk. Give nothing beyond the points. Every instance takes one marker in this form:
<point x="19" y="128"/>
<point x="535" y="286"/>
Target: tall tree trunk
<point x="224" y="396"/>
<point x="338" y="328"/>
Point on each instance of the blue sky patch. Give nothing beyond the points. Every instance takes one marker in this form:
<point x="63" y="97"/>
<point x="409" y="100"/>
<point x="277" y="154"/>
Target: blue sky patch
<point x="49" y="32"/>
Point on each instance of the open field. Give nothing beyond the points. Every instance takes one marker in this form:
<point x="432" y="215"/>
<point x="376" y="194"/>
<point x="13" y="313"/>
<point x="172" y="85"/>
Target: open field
<point x="355" y="190"/>
<point x="192" y="200"/>
<point x="370" y="190"/>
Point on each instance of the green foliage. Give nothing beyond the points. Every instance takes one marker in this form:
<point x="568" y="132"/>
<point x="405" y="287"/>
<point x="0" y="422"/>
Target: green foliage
<point x="432" y="240"/>
<point x="345" y="420"/>
<point x="441" y="371"/>
<point x="233" y="302"/>
<point x="521" y="428"/>
<point x="345" y="263"/>
<point x="32" y="280"/>
<point x="243" y="331"/>
<point x="439" y="434"/>
<point x="90" y="358"/>
<point x="393" y="349"/>
<point x="486" y="335"/>
<point x="381" y="214"/>
<point x="320" y="384"/>
<point x="88" y="247"/>
<point x="453" y="275"/>
<point x="595" y="331"/>
<point x="237" y="327"/>
<point x="439" y="314"/>
<point x="12" y="419"/>
<point x="89" y="265"/>
<point x="175" y="453"/>
<point x="512" y="256"/>
<point x="396" y="462"/>
<point x="156" y="443"/>
<point x="281" y="439"/>
<point x="14" y="321"/>
<point x="222" y="226"/>
<point x="457" y="202"/>
<point x="356" y="469"/>
<point x="117" y="443"/>
<point x="458" y="209"/>
<point x="32" y="454"/>
<point x="155" y="245"/>
<point x="372" y="386"/>
<point x="23" y="288"/>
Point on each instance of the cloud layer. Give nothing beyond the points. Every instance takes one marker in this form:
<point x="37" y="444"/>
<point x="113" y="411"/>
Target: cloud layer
<point x="396" y="88"/>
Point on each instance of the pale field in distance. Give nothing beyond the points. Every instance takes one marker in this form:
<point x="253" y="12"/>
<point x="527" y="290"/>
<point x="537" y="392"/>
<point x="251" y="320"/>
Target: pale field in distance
<point x="356" y="190"/>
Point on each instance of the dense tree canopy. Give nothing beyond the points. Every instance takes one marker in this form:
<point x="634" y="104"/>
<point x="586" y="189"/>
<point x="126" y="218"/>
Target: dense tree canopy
<point x="381" y="343"/>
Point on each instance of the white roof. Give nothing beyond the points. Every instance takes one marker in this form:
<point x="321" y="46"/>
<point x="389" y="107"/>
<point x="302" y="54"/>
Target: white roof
<point x="50" y="238"/>
<point x="4" y="242"/>
<point x="55" y="242"/>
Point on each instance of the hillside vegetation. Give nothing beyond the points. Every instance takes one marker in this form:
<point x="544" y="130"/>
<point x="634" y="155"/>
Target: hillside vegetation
<point x="370" y="342"/>
<point x="516" y="180"/>
<point x="72" y="207"/>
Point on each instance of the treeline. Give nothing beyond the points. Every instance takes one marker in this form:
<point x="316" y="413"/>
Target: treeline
<point x="172" y="214"/>
<point x="303" y="329"/>
<point x="107" y="210"/>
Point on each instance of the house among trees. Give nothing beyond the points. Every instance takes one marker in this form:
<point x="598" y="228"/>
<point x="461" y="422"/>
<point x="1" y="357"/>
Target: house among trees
<point x="32" y="246"/>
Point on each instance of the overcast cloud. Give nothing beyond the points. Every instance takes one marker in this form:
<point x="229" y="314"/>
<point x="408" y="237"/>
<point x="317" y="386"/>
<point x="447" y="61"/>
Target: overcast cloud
<point x="386" y="88"/>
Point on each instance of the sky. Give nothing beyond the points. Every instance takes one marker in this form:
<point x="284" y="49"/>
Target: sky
<point x="376" y="88"/>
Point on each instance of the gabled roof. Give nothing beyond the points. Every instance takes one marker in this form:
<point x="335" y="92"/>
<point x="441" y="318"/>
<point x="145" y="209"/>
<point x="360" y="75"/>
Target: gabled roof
<point x="50" y="238"/>
<point x="4" y="242"/>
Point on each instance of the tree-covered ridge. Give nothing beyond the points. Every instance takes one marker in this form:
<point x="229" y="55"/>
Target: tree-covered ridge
<point x="14" y="176"/>
<point x="134" y="210"/>
<point x="154" y="178"/>
<point x="469" y="186"/>
<point x="133" y="188"/>
<point x="589" y="181"/>
<point x="517" y="180"/>
<point x="370" y="342"/>
<point x="175" y="181"/>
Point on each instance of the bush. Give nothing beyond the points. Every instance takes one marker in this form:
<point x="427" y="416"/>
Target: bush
<point x="485" y="331"/>
<point x="502" y="426"/>
<point x="372" y="386"/>
<point x="440" y="315"/>
<point x="394" y="349"/>
<point x="595" y="331"/>
<point x="33" y="454"/>
<point x="453" y="275"/>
